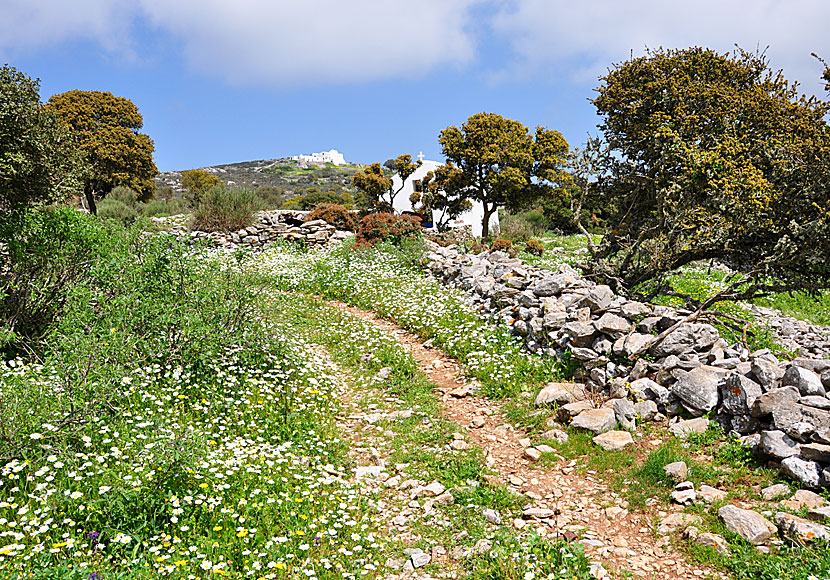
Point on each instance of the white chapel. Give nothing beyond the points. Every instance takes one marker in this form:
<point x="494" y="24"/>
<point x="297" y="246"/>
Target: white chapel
<point x="473" y="217"/>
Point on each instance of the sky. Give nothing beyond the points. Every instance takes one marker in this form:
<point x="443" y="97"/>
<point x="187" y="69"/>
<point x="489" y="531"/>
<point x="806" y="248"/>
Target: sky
<point x="221" y="81"/>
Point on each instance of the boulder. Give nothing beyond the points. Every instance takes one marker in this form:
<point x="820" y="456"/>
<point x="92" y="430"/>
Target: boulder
<point x="645" y="410"/>
<point x="778" y="445"/>
<point x="550" y="286"/>
<point x="804" y="499"/>
<point x="816" y="401"/>
<point x="697" y="389"/>
<point x="774" y="398"/>
<point x="599" y="298"/>
<point x="805" y="471"/>
<point x="816" y="452"/>
<point x="566" y="412"/>
<point x="677" y="471"/>
<point x="709" y="494"/>
<point x="738" y="394"/>
<point x="751" y="526"/>
<point x="801" y="530"/>
<point x="806" y="381"/>
<point x="612" y="325"/>
<point x="776" y="491"/>
<point x="802" y="422"/>
<point x="561" y="394"/>
<point x="682" y="429"/>
<point x="614" y="440"/>
<point x="595" y="420"/>
<point x="767" y="373"/>
<point x="624" y="412"/>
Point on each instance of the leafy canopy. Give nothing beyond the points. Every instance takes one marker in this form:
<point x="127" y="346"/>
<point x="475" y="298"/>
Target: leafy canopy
<point x="197" y="182"/>
<point x="713" y="156"/>
<point x="498" y="162"/>
<point x="378" y="191"/>
<point x="429" y="195"/>
<point x="106" y="131"/>
<point x="38" y="162"/>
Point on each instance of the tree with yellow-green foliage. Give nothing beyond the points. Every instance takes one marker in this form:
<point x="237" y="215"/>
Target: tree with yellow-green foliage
<point x="106" y="132"/>
<point x="713" y="156"/>
<point x="500" y="163"/>
<point x="377" y="190"/>
<point x="197" y="182"/>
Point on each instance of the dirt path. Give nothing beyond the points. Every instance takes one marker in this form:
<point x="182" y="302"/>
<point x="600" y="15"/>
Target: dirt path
<point x="564" y="500"/>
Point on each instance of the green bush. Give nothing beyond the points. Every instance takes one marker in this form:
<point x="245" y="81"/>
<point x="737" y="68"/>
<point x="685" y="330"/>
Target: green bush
<point x="224" y="209"/>
<point x="520" y="227"/>
<point x="162" y="208"/>
<point x="48" y="252"/>
<point x="389" y="227"/>
<point x="117" y="210"/>
<point x="333" y="214"/>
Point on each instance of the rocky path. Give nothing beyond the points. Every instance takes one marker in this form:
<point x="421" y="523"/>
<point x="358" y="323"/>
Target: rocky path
<point x="565" y="502"/>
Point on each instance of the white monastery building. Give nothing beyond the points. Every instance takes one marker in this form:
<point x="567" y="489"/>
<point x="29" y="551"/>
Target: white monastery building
<point x="334" y="157"/>
<point x="472" y="218"/>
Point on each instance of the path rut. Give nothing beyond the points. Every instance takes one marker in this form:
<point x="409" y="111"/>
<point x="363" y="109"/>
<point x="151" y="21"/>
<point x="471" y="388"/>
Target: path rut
<point x="566" y="502"/>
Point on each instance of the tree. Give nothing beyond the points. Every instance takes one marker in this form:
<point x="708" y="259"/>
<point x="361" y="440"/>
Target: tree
<point x="197" y="182"/>
<point x="429" y="195"/>
<point x="497" y="162"/>
<point x="106" y="131"/>
<point x="713" y="156"/>
<point x="378" y="191"/>
<point x="38" y="162"/>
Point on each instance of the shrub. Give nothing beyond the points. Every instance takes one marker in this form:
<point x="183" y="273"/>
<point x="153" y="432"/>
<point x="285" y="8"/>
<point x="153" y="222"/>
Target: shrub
<point x="162" y="207"/>
<point x="333" y="214"/>
<point x="520" y="227"/>
<point x="534" y="247"/>
<point x="389" y="227"/>
<point x="502" y="244"/>
<point x="116" y="209"/>
<point x="224" y="209"/>
<point x="125" y="195"/>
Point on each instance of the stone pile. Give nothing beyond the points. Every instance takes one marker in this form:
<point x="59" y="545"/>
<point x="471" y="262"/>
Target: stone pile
<point x="269" y="226"/>
<point x="784" y="406"/>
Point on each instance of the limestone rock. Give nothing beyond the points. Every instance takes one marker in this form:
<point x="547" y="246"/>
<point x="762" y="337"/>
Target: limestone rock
<point x="677" y="471"/>
<point x="612" y="325"/>
<point x="776" y="491"/>
<point x="710" y="494"/>
<point x="560" y="393"/>
<point x="751" y="526"/>
<point x="630" y="344"/>
<point x="595" y="420"/>
<point x="599" y="298"/>
<point x="684" y="494"/>
<point x="574" y="409"/>
<point x="804" y="499"/>
<point x="819" y="514"/>
<point x="614" y="440"/>
<point x="645" y="410"/>
<point x="682" y="429"/>
<point x="807" y="472"/>
<point x="557" y="435"/>
<point x="768" y="373"/>
<point x="801" y="422"/>
<point x="800" y="529"/>
<point x="778" y="445"/>
<point x="673" y="522"/>
<point x="816" y="452"/>
<point x="807" y="382"/>
<point x="491" y="516"/>
<point x="774" y="398"/>
<point x="624" y="412"/>
<point x="698" y="389"/>
<point x="738" y="394"/>
<point x="713" y="541"/>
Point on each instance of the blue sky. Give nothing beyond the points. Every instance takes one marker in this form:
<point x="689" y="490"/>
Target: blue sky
<point x="220" y="81"/>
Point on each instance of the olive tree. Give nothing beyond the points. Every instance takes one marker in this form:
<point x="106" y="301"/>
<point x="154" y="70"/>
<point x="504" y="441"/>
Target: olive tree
<point x="713" y="156"/>
<point x="499" y="162"/>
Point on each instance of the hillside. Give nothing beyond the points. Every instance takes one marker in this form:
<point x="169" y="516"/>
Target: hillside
<point x="285" y="174"/>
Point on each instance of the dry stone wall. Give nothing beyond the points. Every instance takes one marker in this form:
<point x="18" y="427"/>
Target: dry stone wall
<point x="781" y="408"/>
<point x="269" y="226"/>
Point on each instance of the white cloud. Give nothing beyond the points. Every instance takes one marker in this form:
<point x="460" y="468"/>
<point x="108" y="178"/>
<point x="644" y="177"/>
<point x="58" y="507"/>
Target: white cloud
<point x="584" y="38"/>
<point x="32" y="24"/>
<point x="265" y="42"/>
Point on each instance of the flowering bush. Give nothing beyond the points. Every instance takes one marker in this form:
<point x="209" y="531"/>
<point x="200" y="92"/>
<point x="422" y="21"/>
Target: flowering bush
<point x="534" y="247"/>
<point x="333" y="214"/>
<point x="389" y="227"/>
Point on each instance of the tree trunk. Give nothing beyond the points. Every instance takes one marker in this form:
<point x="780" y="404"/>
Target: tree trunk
<point x="485" y="223"/>
<point x="90" y="199"/>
